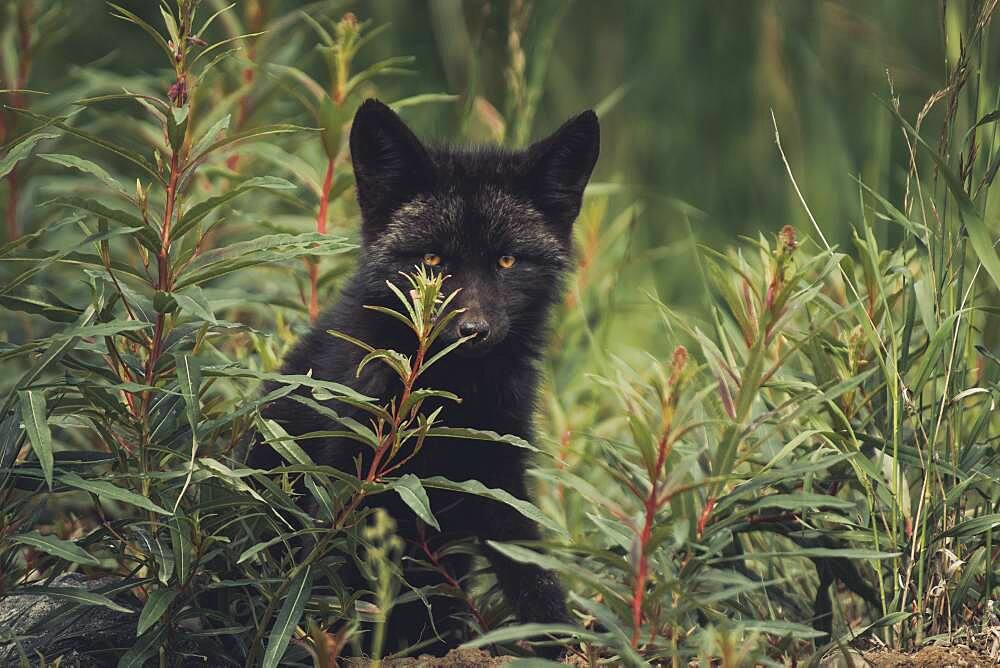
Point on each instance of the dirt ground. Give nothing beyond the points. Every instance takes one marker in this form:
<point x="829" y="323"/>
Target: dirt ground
<point x="959" y="655"/>
<point x="457" y="658"/>
<point x="927" y="657"/>
<point x="981" y="651"/>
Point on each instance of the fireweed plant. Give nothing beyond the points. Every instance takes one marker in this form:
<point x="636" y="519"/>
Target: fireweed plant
<point x="809" y="464"/>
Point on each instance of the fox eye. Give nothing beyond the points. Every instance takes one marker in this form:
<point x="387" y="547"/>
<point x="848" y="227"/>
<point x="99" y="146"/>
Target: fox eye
<point x="506" y="261"/>
<point x="432" y="259"/>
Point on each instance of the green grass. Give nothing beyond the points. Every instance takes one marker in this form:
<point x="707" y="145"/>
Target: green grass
<point x="752" y="448"/>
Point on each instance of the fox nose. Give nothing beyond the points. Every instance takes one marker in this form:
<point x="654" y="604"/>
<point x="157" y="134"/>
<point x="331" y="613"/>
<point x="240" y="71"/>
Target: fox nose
<point x="474" y="326"/>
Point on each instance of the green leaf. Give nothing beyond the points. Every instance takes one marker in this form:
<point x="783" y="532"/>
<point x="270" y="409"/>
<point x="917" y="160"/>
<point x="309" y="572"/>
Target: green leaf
<point x="390" y="65"/>
<point x="37" y="265"/>
<point x="145" y="648"/>
<point x="986" y="119"/>
<point x="259" y="547"/>
<point x="800" y="501"/>
<point x="972" y="527"/>
<point x="198" y="212"/>
<point x="88" y="167"/>
<point x="21" y="150"/>
<point x="276" y="436"/>
<point x="126" y="15"/>
<point x="422" y="394"/>
<point x="212" y="134"/>
<point x="931" y="356"/>
<point x="525" y="631"/>
<point x="480" y="435"/>
<point x="781" y="628"/>
<point x="425" y="98"/>
<point x="811" y="552"/>
<point x="106" y="490"/>
<point x="57" y="547"/>
<point x="249" y="135"/>
<point x="288" y="379"/>
<point x="414" y="495"/>
<point x="272" y="248"/>
<point x="180" y="543"/>
<point x="477" y="488"/>
<point x="291" y="611"/>
<point x="918" y="230"/>
<point x="157" y="603"/>
<point x="195" y="303"/>
<point x="396" y="361"/>
<point x="333" y="117"/>
<point x="979" y="234"/>
<point x="303" y="79"/>
<point x="129" y="155"/>
<point x="177" y="124"/>
<point x="75" y="595"/>
<point x="110" y="328"/>
<point x="33" y="412"/>
<point x="189" y="380"/>
<point x="53" y="354"/>
<point x="211" y="18"/>
<point x="522" y="555"/>
<point x="49" y="311"/>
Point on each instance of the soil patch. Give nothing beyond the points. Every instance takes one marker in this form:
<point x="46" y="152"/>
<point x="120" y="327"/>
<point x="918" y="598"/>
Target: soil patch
<point x="934" y="655"/>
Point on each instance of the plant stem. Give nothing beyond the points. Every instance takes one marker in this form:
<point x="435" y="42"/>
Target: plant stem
<point x="313" y="263"/>
<point x="452" y="582"/>
<point x="651" y="505"/>
<point x="374" y="473"/>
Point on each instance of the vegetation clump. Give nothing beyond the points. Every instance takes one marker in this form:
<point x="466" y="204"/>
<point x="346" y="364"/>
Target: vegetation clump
<point x="804" y="462"/>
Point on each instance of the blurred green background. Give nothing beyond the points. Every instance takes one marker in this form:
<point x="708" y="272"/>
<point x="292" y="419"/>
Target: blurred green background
<point x="685" y="91"/>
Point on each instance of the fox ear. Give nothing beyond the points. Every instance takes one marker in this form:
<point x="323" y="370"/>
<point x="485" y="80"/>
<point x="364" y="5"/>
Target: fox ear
<point x="560" y="166"/>
<point x="391" y="166"/>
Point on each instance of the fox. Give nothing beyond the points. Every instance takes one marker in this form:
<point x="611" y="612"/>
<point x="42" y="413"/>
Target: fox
<point x="498" y="223"/>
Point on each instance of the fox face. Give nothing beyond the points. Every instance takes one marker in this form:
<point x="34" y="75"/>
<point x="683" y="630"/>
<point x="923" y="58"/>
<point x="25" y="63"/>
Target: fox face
<point x="497" y="222"/>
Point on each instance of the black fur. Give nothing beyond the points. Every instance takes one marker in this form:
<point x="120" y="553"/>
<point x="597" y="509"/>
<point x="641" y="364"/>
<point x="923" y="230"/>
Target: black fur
<point x="470" y="206"/>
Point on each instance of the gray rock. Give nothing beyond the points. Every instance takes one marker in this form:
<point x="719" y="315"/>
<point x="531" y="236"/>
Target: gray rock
<point x="44" y="626"/>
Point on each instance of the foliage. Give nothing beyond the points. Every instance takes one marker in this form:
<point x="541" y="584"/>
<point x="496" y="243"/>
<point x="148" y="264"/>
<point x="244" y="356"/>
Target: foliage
<point x="816" y="460"/>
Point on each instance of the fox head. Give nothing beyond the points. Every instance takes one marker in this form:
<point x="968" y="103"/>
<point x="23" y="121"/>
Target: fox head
<point x="498" y="222"/>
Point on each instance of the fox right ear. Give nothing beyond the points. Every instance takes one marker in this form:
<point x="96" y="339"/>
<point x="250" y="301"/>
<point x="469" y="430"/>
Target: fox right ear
<point x="561" y="165"/>
<point x="391" y="166"/>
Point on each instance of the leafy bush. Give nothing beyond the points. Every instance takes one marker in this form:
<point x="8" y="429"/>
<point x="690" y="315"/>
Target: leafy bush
<point x="817" y="461"/>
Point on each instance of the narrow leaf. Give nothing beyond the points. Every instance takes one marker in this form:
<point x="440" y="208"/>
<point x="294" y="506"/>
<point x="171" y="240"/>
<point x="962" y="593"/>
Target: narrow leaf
<point x="288" y="618"/>
<point x="414" y="495"/>
<point x="33" y="412"/>
<point x="106" y="490"/>
<point x="76" y="595"/>
<point x="157" y="603"/>
<point x="21" y="150"/>
<point x="57" y="547"/>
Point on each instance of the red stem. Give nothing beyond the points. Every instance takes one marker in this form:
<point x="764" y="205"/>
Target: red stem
<point x="324" y="199"/>
<point x="313" y="289"/>
<point x="397" y="419"/>
<point x="439" y="567"/>
<point x="163" y="280"/>
<point x="651" y="505"/>
<point x="324" y="204"/>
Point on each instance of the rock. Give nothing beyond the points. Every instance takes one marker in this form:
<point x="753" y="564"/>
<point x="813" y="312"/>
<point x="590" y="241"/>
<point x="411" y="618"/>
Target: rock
<point x="82" y="635"/>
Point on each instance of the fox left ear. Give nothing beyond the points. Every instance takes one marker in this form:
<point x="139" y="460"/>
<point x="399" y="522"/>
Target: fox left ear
<point x="391" y="166"/>
<point x="560" y="166"/>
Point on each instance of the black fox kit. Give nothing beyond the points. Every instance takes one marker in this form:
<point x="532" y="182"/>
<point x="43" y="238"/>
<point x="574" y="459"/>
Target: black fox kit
<point x="499" y="223"/>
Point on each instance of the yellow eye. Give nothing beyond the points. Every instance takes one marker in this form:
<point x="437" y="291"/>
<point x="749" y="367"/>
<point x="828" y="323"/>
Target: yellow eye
<point x="432" y="260"/>
<point x="506" y="261"/>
